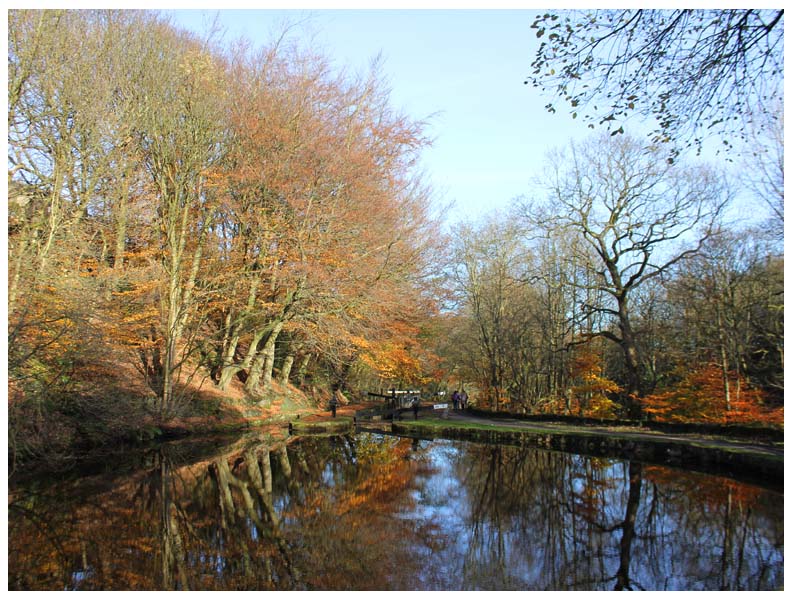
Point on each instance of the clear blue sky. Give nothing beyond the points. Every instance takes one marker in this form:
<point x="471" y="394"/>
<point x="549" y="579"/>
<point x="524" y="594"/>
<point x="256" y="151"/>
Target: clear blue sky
<point x="462" y="68"/>
<point x="465" y="69"/>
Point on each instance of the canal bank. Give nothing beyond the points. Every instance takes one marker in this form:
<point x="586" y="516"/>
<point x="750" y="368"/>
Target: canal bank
<point x="758" y="463"/>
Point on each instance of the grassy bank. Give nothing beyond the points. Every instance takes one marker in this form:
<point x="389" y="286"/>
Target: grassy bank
<point x="333" y="426"/>
<point x="743" y="431"/>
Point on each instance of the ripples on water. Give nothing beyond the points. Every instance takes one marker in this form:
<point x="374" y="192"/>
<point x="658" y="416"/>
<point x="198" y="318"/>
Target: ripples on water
<point x="372" y="512"/>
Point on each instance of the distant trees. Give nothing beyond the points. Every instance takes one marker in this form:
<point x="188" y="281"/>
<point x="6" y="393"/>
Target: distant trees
<point x="488" y="266"/>
<point x="732" y="298"/>
<point x="618" y="288"/>
<point x="695" y="72"/>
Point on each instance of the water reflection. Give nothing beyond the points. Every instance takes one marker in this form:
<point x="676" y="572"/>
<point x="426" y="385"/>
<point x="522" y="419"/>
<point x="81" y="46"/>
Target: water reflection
<point x="558" y="521"/>
<point x="373" y="512"/>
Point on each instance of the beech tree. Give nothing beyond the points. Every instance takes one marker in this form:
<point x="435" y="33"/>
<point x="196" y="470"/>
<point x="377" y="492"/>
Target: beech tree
<point x="323" y="204"/>
<point x="180" y="134"/>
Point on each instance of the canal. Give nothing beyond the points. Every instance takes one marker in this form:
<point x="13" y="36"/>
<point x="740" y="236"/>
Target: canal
<point x="376" y="512"/>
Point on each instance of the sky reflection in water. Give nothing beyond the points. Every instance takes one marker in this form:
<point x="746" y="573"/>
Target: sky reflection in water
<point x="377" y="513"/>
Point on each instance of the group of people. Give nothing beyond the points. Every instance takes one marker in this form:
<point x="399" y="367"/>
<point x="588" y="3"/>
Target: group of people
<point x="459" y="399"/>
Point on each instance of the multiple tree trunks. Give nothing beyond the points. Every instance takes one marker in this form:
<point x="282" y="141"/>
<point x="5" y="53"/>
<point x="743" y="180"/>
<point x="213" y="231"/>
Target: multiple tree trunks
<point x="178" y="202"/>
<point x="623" y="284"/>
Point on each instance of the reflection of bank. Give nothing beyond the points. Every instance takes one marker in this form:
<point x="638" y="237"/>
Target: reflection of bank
<point x="219" y="525"/>
<point x="345" y="512"/>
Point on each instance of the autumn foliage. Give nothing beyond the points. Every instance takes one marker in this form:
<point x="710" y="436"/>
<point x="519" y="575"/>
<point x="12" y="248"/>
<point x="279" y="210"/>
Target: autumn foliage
<point x="183" y="215"/>
<point x="593" y="391"/>
<point x="699" y="396"/>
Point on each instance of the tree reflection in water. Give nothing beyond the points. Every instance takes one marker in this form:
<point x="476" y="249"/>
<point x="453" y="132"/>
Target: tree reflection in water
<point x="373" y="512"/>
<point x="558" y="521"/>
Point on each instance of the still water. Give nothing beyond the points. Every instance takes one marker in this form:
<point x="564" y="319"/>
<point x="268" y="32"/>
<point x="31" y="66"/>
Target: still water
<point x="373" y="512"/>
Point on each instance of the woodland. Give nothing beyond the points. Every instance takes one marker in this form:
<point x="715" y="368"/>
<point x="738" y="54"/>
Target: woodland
<point x="196" y="228"/>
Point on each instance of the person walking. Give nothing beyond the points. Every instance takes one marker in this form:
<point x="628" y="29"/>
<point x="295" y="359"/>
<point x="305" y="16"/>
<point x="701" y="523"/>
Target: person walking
<point x="462" y="398"/>
<point x="455" y="400"/>
<point x="333" y="402"/>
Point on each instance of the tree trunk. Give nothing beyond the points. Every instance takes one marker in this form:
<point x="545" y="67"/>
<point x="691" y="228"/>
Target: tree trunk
<point x="171" y="336"/>
<point x="725" y="377"/>
<point x="254" y="374"/>
<point x="301" y="372"/>
<point x="229" y="370"/>
<point x="261" y="370"/>
<point x="268" y="351"/>
<point x="634" y="383"/>
<point x="268" y="364"/>
<point x="634" y="391"/>
<point x="20" y="253"/>
<point x="120" y="227"/>
<point x="285" y="370"/>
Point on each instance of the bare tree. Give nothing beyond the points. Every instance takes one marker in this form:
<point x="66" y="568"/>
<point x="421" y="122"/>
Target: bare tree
<point x="488" y="273"/>
<point x="639" y="215"/>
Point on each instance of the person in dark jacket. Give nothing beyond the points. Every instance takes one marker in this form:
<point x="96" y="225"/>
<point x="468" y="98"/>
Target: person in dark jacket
<point x="333" y="402"/>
